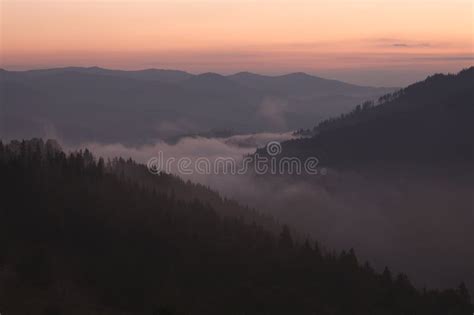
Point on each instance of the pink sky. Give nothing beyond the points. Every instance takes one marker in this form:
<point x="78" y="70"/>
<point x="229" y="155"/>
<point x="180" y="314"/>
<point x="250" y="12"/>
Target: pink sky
<point x="379" y="42"/>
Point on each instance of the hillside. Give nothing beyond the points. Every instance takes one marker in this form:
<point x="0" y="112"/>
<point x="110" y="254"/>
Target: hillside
<point x="399" y="180"/>
<point x="78" y="239"/>
<point x="429" y="122"/>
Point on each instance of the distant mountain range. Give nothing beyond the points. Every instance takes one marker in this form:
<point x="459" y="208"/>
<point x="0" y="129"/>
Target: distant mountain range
<point x="95" y="104"/>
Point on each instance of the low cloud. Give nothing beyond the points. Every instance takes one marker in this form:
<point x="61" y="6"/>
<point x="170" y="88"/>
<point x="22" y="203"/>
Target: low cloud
<point x="235" y="147"/>
<point x="407" y="223"/>
<point x="411" y="45"/>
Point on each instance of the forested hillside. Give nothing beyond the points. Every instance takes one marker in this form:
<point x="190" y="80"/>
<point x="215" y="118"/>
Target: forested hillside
<point x="188" y="191"/>
<point x="77" y="238"/>
<point x="429" y="122"/>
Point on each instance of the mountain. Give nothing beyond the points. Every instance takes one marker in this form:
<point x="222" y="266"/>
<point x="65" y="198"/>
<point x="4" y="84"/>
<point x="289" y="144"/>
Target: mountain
<point x="304" y="86"/>
<point x="162" y="75"/>
<point x="214" y="83"/>
<point x="429" y="122"/>
<point x="137" y="107"/>
<point x="78" y="237"/>
<point x="399" y="179"/>
<point x="82" y="107"/>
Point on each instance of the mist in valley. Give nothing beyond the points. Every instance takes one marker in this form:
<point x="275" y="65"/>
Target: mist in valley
<point x="413" y="220"/>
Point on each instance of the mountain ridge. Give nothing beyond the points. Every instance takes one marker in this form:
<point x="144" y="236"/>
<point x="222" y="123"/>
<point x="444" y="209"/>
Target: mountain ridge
<point x="184" y="74"/>
<point x="148" y="101"/>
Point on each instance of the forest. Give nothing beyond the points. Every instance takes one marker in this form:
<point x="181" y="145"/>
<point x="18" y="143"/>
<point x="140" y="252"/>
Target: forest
<point x="428" y="123"/>
<point x="80" y="235"/>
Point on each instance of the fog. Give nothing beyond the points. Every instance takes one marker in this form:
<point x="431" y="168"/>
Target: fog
<point x="412" y="221"/>
<point x="192" y="147"/>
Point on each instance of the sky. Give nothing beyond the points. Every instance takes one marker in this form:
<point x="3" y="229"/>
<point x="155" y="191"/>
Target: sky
<point x="374" y="42"/>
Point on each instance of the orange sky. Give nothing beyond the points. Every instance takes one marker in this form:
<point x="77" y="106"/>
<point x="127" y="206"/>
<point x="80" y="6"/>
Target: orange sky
<point x="269" y="36"/>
